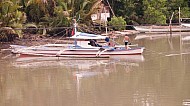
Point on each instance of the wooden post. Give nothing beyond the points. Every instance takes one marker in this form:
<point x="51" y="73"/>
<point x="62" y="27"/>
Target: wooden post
<point x="170" y="24"/>
<point x="180" y="31"/>
<point x="105" y="21"/>
<point x="179" y="17"/>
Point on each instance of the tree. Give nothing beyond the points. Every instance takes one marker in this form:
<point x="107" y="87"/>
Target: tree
<point x="118" y="23"/>
<point x="154" y="12"/>
<point x="10" y="16"/>
<point x="36" y="9"/>
<point x="173" y="6"/>
<point x="76" y="8"/>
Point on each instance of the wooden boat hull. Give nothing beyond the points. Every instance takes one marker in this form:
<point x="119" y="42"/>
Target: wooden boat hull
<point x="88" y="53"/>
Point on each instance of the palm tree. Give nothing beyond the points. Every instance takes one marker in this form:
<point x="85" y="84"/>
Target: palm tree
<point x="73" y="8"/>
<point x="10" y="14"/>
<point x="36" y="9"/>
<point x="11" y="17"/>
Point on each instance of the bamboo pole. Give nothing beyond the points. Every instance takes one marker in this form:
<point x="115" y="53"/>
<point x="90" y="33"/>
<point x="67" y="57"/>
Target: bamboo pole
<point x="180" y="31"/>
<point x="171" y="25"/>
<point x="105" y="21"/>
<point x="110" y="8"/>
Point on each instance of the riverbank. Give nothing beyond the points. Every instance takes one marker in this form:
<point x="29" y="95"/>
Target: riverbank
<point x="36" y="39"/>
<point x="30" y="40"/>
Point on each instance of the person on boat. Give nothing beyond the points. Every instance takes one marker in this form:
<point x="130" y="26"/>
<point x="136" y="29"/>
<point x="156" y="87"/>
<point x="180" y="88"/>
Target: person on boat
<point x="107" y="39"/>
<point x="126" y="40"/>
<point x="93" y="42"/>
<point x="109" y="42"/>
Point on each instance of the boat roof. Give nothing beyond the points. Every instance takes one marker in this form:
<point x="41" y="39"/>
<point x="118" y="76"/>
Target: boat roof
<point x="81" y="35"/>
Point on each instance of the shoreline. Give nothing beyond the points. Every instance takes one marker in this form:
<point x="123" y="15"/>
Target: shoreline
<point x="38" y="40"/>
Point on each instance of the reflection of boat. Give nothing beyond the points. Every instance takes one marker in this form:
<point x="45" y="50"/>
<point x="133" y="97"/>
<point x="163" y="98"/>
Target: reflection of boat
<point x="85" y="74"/>
<point x="115" y="64"/>
<point x="81" y="48"/>
<point x="80" y="63"/>
<point x="132" y="58"/>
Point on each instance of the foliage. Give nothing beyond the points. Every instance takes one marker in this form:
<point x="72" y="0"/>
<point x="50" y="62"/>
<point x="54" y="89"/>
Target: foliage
<point x="34" y="13"/>
<point x="150" y="11"/>
<point x="118" y="22"/>
<point x="30" y="28"/>
<point x="10" y="16"/>
<point x="153" y="11"/>
<point x="36" y="9"/>
<point x="78" y="9"/>
<point x="59" y="13"/>
<point x="128" y="9"/>
<point x="7" y="34"/>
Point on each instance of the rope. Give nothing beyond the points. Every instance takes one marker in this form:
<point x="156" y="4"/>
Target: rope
<point x="61" y="36"/>
<point x="67" y="27"/>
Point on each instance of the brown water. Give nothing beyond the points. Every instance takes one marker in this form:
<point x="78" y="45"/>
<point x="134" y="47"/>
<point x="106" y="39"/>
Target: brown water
<point x="159" y="77"/>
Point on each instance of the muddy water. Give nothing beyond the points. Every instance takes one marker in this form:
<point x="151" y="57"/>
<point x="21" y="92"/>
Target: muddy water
<point x="159" y="77"/>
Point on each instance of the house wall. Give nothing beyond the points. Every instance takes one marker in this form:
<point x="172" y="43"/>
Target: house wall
<point x="102" y="14"/>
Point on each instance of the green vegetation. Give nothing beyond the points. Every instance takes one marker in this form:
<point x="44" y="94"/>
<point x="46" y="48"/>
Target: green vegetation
<point x="59" y="13"/>
<point x="150" y="11"/>
<point x="118" y="23"/>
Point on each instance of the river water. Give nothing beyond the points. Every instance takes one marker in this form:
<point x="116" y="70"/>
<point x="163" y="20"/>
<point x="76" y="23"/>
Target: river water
<point x="158" y="77"/>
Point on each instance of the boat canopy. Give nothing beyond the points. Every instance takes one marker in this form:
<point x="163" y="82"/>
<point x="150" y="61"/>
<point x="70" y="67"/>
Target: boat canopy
<point x="81" y="35"/>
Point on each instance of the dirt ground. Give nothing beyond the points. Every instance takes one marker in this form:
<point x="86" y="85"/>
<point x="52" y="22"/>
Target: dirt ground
<point x="31" y="40"/>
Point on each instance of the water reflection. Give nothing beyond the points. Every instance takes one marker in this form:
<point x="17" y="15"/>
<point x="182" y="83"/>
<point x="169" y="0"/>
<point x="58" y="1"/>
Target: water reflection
<point x="35" y="62"/>
<point x="58" y="76"/>
<point x="84" y="67"/>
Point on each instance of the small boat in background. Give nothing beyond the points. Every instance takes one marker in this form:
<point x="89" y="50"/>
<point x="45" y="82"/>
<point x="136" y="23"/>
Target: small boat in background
<point x="162" y="29"/>
<point x="185" y="24"/>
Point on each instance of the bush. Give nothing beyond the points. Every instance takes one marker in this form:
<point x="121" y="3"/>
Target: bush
<point x="7" y="34"/>
<point x="118" y="23"/>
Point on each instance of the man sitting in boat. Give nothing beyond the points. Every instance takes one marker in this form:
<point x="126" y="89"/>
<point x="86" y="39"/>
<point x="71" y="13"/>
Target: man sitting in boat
<point x="109" y="43"/>
<point x="93" y="42"/>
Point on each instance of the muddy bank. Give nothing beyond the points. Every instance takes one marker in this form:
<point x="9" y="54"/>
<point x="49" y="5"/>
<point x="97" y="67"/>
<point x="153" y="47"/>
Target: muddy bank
<point x="31" y="40"/>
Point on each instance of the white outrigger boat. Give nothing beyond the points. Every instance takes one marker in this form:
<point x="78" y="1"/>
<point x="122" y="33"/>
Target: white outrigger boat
<point x="80" y="48"/>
